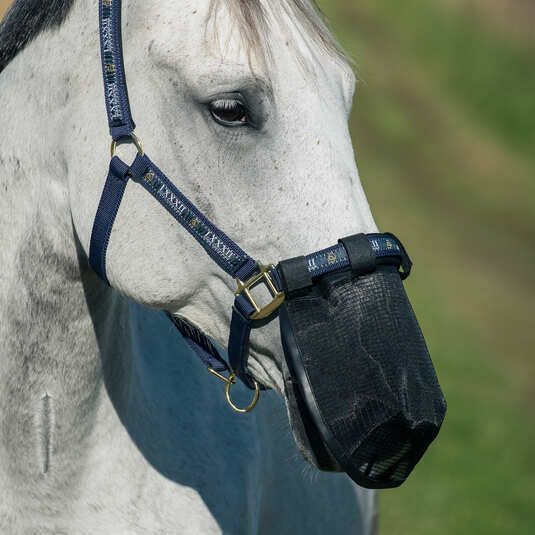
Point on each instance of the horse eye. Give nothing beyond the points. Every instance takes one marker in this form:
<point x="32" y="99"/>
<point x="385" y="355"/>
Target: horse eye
<point x="229" y="112"/>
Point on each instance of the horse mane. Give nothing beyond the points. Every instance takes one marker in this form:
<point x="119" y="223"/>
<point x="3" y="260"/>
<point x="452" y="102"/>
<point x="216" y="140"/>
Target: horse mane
<point x="26" y="19"/>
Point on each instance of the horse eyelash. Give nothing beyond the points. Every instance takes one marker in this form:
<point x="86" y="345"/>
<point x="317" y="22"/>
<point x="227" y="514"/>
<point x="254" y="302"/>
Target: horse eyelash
<point x="221" y="105"/>
<point x="225" y="103"/>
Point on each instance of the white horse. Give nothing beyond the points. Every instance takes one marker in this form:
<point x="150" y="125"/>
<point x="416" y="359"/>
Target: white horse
<point x="108" y="423"/>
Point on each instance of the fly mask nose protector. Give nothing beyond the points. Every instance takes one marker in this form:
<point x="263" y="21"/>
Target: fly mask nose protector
<point x="357" y="372"/>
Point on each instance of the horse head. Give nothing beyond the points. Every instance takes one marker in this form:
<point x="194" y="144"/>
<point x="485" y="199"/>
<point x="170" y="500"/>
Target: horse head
<point x="245" y="106"/>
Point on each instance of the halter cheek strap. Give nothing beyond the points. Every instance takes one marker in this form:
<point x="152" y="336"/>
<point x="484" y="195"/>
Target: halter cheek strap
<point x="111" y="54"/>
<point x="246" y="313"/>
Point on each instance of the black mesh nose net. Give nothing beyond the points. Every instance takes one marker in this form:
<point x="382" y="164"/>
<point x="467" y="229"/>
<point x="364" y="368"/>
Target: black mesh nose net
<point x="360" y="376"/>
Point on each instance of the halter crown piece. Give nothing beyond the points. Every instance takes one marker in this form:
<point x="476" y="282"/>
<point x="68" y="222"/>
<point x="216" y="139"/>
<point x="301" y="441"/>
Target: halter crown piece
<point x="246" y="312"/>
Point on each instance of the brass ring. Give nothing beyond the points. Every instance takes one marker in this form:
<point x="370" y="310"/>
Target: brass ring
<point x="229" y="401"/>
<point x="136" y="140"/>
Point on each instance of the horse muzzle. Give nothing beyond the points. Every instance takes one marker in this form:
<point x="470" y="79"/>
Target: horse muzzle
<point x="358" y="372"/>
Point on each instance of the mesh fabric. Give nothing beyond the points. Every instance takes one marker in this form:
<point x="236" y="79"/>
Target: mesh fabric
<point x="370" y="374"/>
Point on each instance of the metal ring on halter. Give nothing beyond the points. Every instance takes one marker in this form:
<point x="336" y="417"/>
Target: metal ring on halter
<point x="251" y="405"/>
<point x="136" y="140"/>
<point x="229" y="381"/>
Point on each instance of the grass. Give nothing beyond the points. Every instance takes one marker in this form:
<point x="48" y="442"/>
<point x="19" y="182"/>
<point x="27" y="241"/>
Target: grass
<point x="442" y="125"/>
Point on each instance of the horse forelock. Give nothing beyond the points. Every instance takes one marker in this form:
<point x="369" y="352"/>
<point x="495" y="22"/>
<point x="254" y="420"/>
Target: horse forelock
<point x="253" y="23"/>
<point x="26" y="19"/>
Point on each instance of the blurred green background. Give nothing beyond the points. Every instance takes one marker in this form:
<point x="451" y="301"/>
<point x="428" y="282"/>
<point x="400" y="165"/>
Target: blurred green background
<point x="443" y="126"/>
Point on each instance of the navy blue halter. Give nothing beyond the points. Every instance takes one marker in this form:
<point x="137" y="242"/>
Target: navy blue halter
<point x="246" y="314"/>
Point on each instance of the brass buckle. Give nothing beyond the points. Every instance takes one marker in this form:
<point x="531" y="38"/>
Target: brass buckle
<point x="265" y="277"/>
<point x="229" y="381"/>
<point x="136" y="140"/>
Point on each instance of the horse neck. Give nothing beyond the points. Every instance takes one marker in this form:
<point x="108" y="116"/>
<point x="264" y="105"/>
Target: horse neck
<point x="66" y="334"/>
<point x="50" y="368"/>
<point x="36" y="229"/>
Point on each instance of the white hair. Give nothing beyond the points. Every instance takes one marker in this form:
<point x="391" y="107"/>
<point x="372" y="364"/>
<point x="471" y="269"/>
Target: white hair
<point x="252" y="21"/>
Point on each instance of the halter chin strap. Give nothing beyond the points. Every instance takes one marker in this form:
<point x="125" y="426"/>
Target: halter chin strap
<point x="246" y="313"/>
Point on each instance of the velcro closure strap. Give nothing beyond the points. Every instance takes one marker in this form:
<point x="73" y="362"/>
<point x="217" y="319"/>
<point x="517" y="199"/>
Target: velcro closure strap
<point x="360" y="253"/>
<point x="294" y="274"/>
